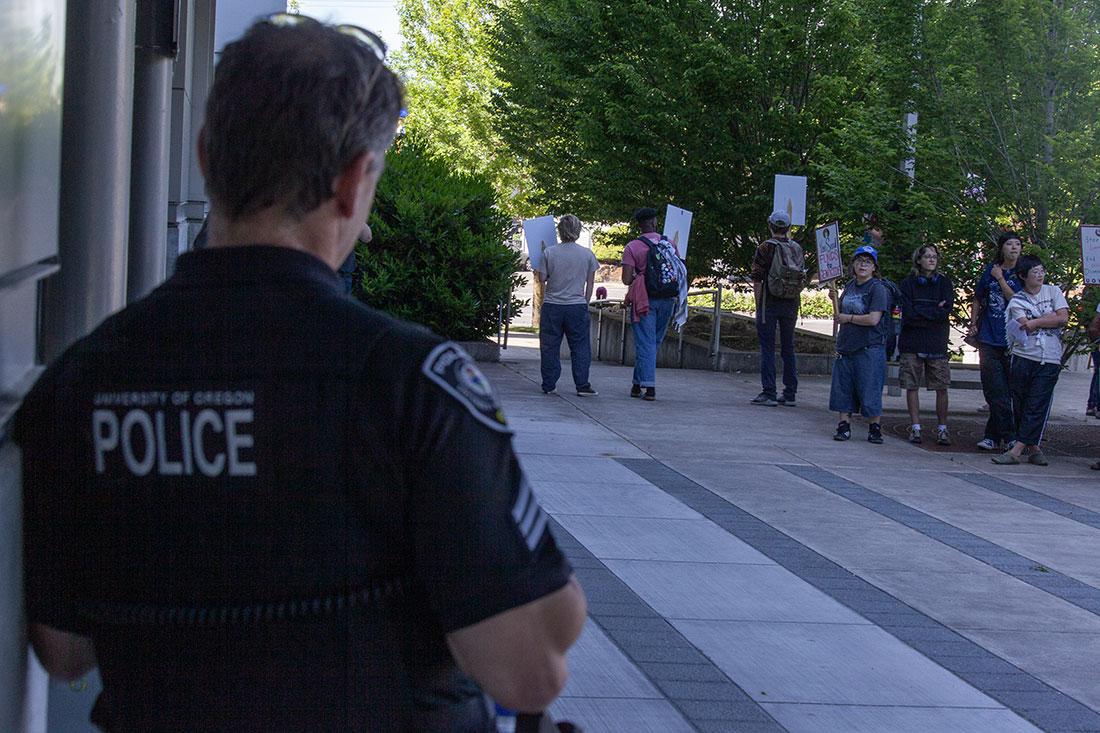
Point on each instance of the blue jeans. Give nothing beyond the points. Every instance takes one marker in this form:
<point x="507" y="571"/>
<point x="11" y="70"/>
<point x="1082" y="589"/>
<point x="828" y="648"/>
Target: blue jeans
<point x="857" y="382"/>
<point x="1001" y="425"/>
<point x="572" y="322"/>
<point x="1032" y="386"/>
<point x="784" y="315"/>
<point x="649" y="332"/>
<point x="1094" y="387"/>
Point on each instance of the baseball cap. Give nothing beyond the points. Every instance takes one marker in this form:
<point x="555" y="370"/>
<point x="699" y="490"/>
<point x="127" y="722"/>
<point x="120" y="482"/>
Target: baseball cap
<point x="866" y="250"/>
<point x="780" y="218"/>
<point x="645" y="214"/>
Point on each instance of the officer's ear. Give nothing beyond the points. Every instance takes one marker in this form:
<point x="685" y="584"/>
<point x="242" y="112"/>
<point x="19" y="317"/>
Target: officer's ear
<point x="356" y="181"/>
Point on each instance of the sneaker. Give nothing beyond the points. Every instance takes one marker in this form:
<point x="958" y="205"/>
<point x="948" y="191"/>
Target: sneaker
<point x="635" y="390"/>
<point x="1010" y="444"/>
<point x="942" y="438"/>
<point x="787" y="401"/>
<point x="1005" y="459"/>
<point x="1038" y="459"/>
<point x="552" y="390"/>
<point x="986" y="444"/>
<point x="874" y="433"/>
<point x="587" y="391"/>
<point x="650" y="394"/>
<point x="843" y="431"/>
<point x="765" y="399"/>
<point x="914" y="435"/>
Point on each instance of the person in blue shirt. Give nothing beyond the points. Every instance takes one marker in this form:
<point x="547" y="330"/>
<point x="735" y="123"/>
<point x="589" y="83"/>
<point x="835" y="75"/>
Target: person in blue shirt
<point x="996" y="286"/>
<point x="859" y="371"/>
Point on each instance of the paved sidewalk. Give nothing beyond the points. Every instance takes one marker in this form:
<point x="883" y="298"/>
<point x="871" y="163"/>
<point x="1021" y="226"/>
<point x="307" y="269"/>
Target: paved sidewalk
<point x="747" y="573"/>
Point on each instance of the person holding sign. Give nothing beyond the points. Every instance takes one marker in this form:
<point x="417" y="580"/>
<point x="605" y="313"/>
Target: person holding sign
<point x="859" y="371"/>
<point x="658" y="294"/>
<point x="995" y="288"/>
<point x="778" y="276"/>
<point x="1034" y="321"/>
<point x="568" y="274"/>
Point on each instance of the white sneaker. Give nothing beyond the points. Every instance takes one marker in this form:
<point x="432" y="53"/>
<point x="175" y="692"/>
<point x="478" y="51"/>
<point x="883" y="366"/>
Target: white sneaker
<point x="987" y="444"/>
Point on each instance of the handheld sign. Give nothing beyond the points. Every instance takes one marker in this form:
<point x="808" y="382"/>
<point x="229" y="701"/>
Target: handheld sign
<point x="677" y="229"/>
<point x="829" y="263"/>
<point x="790" y="196"/>
<point x="1090" y="253"/>
<point x="539" y="233"/>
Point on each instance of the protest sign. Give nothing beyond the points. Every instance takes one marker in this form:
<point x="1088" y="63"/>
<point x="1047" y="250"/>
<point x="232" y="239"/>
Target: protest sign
<point x="830" y="266"/>
<point x="790" y="196"/>
<point x="1090" y="253"/>
<point x="677" y="229"/>
<point x="539" y="233"/>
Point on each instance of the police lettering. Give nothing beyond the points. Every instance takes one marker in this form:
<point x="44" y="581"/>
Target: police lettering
<point x="209" y="442"/>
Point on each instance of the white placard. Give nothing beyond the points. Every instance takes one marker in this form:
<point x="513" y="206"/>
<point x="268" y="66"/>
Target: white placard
<point x="1090" y="253"/>
<point x="830" y="265"/>
<point x="790" y="196"/>
<point x="678" y="228"/>
<point x="539" y="233"/>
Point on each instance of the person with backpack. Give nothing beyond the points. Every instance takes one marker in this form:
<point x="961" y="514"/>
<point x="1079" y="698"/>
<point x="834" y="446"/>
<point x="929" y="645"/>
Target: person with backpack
<point x="658" y="294"/>
<point x="927" y="297"/>
<point x="778" y="276"/>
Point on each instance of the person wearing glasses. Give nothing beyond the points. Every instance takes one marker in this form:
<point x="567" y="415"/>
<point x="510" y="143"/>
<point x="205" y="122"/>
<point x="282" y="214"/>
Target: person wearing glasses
<point x="258" y="504"/>
<point x="1033" y="323"/>
<point x="859" y="371"/>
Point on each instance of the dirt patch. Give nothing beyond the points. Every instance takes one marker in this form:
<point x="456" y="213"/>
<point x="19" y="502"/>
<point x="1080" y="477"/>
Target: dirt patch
<point x="1060" y="439"/>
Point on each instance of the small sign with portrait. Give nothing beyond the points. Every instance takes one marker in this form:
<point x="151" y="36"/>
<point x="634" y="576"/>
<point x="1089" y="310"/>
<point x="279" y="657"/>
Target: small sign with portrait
<point x="830" y="265"/>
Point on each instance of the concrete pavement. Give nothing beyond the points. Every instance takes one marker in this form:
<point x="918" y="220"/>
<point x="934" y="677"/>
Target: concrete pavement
<point x="745" y="572"/>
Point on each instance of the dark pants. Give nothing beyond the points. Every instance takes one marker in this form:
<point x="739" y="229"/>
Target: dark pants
<point x="1032" y="386"/>
<point x="783" y="314"/>
<point x="995" y="368"/>
<point x="572" y="321"/>
<point x="1094" y="387"/>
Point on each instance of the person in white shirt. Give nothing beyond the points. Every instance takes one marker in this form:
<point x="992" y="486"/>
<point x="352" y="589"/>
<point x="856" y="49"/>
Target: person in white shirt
<point x="1033" y="324"/>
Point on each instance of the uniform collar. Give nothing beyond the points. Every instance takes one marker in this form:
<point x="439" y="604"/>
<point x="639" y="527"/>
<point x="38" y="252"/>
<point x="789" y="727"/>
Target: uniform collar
<point x="254" y="263"/>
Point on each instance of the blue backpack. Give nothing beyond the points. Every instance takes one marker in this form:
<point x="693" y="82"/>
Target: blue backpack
<point x="660" y="273"/>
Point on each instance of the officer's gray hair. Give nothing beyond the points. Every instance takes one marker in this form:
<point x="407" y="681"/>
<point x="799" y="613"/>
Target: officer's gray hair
<point x="569" y="228"/>
<point x="291" y="107"/>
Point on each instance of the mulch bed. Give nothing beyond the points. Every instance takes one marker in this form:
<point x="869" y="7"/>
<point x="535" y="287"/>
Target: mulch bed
<point x="1075" y="440"/>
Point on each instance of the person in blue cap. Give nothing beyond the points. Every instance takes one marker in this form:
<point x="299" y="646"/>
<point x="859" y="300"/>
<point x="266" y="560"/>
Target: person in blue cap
<point x="859" y="371"/>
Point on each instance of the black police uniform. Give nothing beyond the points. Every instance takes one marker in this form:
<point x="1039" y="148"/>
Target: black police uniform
<point x="267" y="503"/>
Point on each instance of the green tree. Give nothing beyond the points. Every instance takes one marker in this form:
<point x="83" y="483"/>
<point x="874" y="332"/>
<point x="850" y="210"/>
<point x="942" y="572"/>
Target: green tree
<point x="450" y="84"/>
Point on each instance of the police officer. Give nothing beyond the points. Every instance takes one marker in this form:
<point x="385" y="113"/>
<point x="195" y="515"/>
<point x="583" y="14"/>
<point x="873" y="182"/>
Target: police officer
<point x="260" y="505"/>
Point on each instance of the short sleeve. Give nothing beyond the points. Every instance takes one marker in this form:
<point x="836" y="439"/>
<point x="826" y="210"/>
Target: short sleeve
<point x="1058" y="298"/>
<point x="1014" y="310"/>
<point x="632" y="257"/>
<point x="593" y="263"/>
<point x="481" y="540"/>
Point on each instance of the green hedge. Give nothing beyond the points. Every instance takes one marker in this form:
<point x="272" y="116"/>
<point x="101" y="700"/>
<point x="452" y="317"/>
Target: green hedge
<point x="815" y="303"/>
<point x="438" y="256"/>
<point x="608" y="242"/>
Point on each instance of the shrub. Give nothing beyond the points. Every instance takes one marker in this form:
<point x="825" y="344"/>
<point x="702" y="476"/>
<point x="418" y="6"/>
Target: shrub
<point x="815" y="303"/>
<point x="608" y="242"/>
<point x="439" y="256"/>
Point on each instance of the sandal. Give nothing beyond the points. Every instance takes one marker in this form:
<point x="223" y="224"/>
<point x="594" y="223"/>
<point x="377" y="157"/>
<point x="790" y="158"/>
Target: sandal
<point x="1038" y="459"/>
<point x="1005" y="459"/>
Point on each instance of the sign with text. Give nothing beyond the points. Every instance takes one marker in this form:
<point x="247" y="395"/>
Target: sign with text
<point x="790" y="196"/>
<point x="677" y="229"/>
<point x="830" y="265"/>
<point x="1090" y="253"/>
<point x="540" y="233"/>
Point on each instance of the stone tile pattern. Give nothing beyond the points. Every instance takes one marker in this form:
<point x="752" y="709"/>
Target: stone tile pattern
<point x="1062" y="586"/>
<point x="1038" y="499"/>
<point x="1014" y="688"/>
<point x="706" y="696"/>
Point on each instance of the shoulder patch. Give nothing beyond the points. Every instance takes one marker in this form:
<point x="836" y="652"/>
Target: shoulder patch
<point x="449" y="366"/>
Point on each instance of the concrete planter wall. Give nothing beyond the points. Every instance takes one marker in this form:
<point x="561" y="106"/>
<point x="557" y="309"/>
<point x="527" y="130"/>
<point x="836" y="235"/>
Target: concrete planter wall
<point x="606" y="336"/>
<point x="482" y="350"/>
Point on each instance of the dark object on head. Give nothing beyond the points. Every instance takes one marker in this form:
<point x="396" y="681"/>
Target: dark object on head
<point x="644" y="214"/>
<point x="1025" y="263"/>
<point x="293" y="104"/>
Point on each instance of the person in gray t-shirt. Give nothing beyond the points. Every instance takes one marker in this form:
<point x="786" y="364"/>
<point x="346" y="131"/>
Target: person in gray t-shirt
<point x="568" y="273"/>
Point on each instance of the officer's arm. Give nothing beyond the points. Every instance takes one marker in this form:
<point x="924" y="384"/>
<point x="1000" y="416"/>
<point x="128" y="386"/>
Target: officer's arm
<point x="518" y="656"/>
<point x="64" y="655"/>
